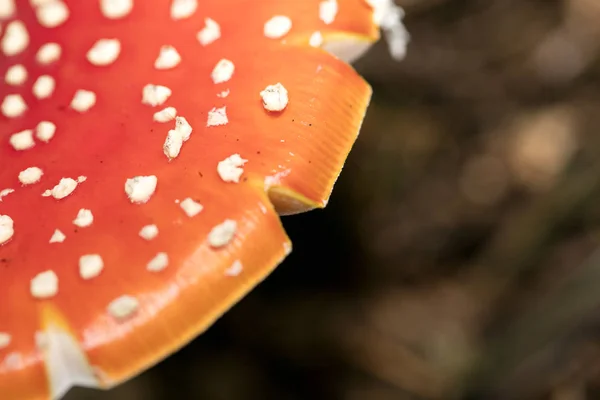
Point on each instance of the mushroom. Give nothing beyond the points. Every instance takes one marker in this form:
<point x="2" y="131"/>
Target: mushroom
<point x="147" y="150"/>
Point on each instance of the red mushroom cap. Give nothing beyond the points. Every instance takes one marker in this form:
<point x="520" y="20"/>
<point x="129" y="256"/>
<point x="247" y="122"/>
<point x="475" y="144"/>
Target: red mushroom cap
<point x="146" y="149"/>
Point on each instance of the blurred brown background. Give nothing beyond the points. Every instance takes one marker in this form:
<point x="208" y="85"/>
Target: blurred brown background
<point x="456" y="259"/>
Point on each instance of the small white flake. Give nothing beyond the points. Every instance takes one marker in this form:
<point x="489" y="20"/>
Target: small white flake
<point x="84" y="218"/>
<point x="6" y="228"/>
<point x="274" y="97"/>
<point x="44" y="285"/>
<point x="16" y="75"/>
<point x="223" y="233"/>
<point x="52" y="13"/>
<point x="123" y="307"/>
<point x="7" y="9"/>
<point x="223" y="71"/>
<point x="57" y="237"/>
<point x="83" y="100"/>
<point x="165" y="115"/>
<point x="43" y="87"/>
<point x="65" y="187"/>
<point x="5" y="192"/>
<point x="173" y="144"/>
<point x="223" y="94"/>
<point x="45" y="130"/>
<point x="217" y="116"/>
<point x="184" y="127"/>
<point x="104" y="52"/>
<point x="230" y="169"/>
<point x="277" y="27"/>
<point x="16" y="38"/>
<point x="234" y="269"/>
<point x="115" y="9"/>
<point x="316" y="39"/>
<point x="168" y="58"/>
<point x="158" y="263"/>
<point x="191" y="207"/>
<point x="155" y="95"/>
<point x="183" y="8"/>
<point x="210" y="33"/>
<point x="139" y="189"/>
<point x="30" y="175"/>
<point x="13" y="106"/>
<point x="328" y="10"/>
<point x="149" y="232"/>
<point x="48" y="53"/>
<point x="90" y="266"/>
<point x="81" y="179"/>
<point x="22" y="140"/>
<point x="176" y="137"/>
<point x="5" y="338"/>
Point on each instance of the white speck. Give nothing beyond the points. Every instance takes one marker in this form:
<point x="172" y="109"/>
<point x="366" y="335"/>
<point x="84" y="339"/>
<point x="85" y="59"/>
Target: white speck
<point x="13" y="106"/>
<point x="30" y="175"/>
<point x="57" y="237"/>
<point x="274" y="97"/>
<point x="44" y="285"/>
<point x="223" y="94"/>
<point x="139" y="189"/>
<point x="149" y="232"/>
<point x="155" y="95"/>
<point x="158" y="263"/>
<point x="43" y="87"/>
<point x="90" y="266"/>
<point x="6" y="228"/>
<point x="210" y="32"/>
<point x="191" y="207"/>
<point x="217" y="116"/>
<point x="83" y="100"/>
<point x="176" y="137"/>
<point x="277" y="27"/>
<point x="104" y="52"/>
<point x="5" y="192"/>
<point x="230" y="169"/>
<point x="48" y="53"/>
<point x="168" y="57"/>
<point x="52" y="13"/>
<point x="123" y="307"/>
<point x="5" y="338"/>
<point x="165" y="115"/>
<point x="184" y="127"/>
<point x="183" y="8"/>
<point x="45" y="130"/>
<point x="328" y="10"/>
<point x="316" y="39"/>
<point x="234" y="269"/>
<point x="7" y="9"/>
<point x="65" y="187"/>
<point x="16" y="75"/>
<point x="16" y="38"/>
<point x="84" y="218"/>
<point x="223" y="71"/>
<point x="22" y="140"/>
<point x="115" y="9"/>
<point x="223" y="233"/>
<point x="81" y="179"/>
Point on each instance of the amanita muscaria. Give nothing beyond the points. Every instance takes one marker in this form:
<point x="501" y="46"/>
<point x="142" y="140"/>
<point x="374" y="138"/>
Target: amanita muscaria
<point x="147" y="149"/>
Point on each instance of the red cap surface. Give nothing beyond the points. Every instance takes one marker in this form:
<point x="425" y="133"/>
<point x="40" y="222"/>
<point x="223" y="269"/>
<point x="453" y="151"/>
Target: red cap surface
<point x="146" y="149"/>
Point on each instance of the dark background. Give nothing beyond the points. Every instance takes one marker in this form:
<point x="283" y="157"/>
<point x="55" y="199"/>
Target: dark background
<point x="456" y="259"/>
